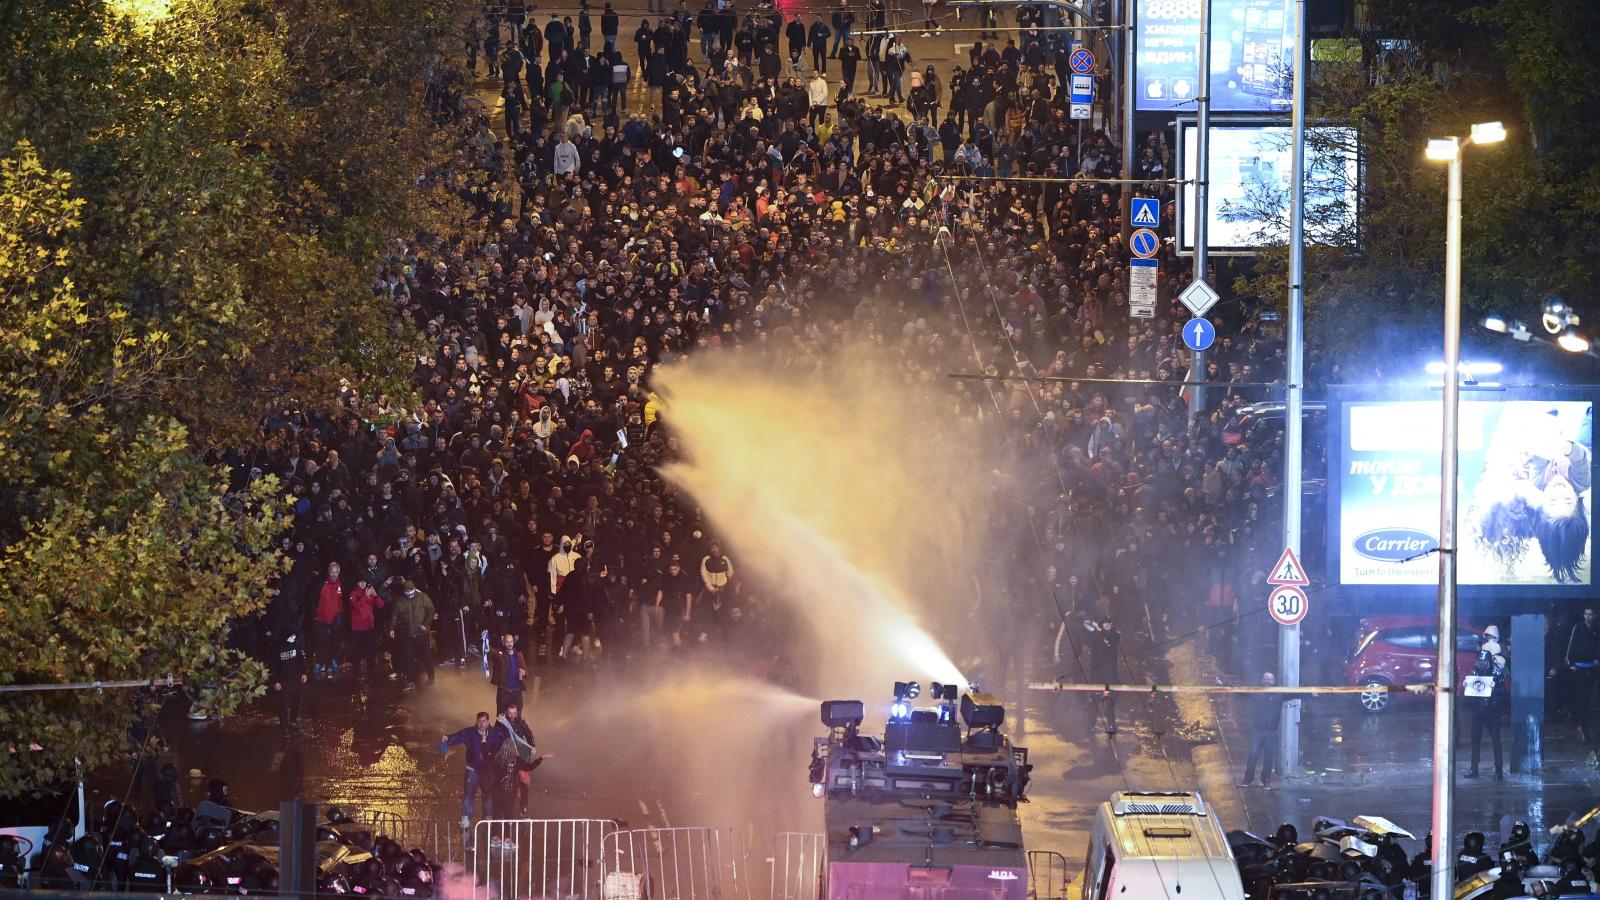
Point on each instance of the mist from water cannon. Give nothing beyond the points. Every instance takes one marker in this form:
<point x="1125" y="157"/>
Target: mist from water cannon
<point x="853" y="498"/>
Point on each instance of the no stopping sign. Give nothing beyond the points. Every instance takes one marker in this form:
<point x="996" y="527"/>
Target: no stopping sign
<point x="1287" y="604"/>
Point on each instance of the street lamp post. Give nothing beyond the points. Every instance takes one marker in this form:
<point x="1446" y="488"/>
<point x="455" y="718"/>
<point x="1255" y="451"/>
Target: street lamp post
<point x="1449" y="150"/>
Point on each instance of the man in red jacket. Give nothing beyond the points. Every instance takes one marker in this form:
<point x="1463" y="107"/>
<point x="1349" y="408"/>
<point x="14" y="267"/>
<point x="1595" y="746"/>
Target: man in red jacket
<point x="327" y="622"/>
<point x="364" y="604"/>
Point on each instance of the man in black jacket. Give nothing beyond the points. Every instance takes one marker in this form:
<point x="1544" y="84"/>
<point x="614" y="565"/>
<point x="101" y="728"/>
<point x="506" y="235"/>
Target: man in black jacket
<point x="288" y="667"/>
<point x="1105" y="644"/>
<point x="843" y="21"/>
<point x="508" y="671"/>
<point x="849" y="57"/>
<point x="819" y="45"/>
<point x="1264" y="718"/>
<point x="795" y="31"/>
<point x="609" y="23"/>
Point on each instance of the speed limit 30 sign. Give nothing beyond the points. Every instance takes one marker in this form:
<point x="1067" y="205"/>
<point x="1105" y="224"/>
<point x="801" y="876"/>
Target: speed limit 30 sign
<point x="1288" y="604"/>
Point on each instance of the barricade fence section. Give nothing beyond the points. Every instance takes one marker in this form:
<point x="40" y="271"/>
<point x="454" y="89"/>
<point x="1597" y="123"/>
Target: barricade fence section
<point x="539" y="859"/>
<point x="797" y="860"/>
<point x="444" y="842"/>
<point x="673" y="864"/>
<point x="1047" y="875"/>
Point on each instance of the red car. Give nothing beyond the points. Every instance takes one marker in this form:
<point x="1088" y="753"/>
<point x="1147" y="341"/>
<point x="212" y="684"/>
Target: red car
<point x="1402" y="650"/>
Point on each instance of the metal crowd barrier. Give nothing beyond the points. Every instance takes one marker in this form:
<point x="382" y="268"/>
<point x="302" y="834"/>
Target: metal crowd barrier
<point x="444" y="842"/>
<point x="668" y="864"/>
<point x="1047" y="875"/>
<point x="797" y="861"/>
<point x="546" y="859"/>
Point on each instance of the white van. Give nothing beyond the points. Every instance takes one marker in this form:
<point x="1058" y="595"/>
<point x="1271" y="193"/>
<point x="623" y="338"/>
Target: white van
<point x="1147" y="845"/>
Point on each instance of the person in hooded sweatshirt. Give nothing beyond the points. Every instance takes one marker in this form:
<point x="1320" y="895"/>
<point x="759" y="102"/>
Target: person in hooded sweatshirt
<point x="575" y="609"/>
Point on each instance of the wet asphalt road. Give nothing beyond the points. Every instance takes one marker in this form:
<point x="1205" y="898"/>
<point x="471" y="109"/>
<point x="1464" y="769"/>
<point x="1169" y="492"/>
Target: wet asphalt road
<point x="691" y="748"/>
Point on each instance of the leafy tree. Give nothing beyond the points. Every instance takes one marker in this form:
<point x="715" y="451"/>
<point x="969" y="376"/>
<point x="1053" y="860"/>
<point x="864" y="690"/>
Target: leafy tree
<point x="132" y="559"/>
<point x="195" y="198"/>
<point x="1372" y="290"/>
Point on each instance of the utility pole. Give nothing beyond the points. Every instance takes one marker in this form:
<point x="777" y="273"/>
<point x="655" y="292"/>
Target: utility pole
<point x="1294" y="381"/>
<point x="1202" y="189"/>
<point x="1125" y="57"/>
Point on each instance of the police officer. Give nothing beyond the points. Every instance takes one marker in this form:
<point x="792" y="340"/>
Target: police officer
<point x="1491" y="663"/>
<point x="289" y="678"/>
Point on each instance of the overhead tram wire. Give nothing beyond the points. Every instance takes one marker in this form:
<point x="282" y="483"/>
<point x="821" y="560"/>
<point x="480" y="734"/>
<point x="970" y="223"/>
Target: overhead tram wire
<point x="1029" y="29"/>
<point x="1042" y="179"/>
<point x="1068" y="379"/>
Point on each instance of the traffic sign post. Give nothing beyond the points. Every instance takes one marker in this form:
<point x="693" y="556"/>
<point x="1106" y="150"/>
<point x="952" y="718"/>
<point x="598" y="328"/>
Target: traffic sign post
<point x="1199" y="297"/>
<point x="1287" y="604"/>
<point x="1146" y="212"/>
<point x="1199" y="334"/>
<point x="1144" y="243"/>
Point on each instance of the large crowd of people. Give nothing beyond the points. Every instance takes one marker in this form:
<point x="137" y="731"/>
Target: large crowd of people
<point x="513" y="502"/>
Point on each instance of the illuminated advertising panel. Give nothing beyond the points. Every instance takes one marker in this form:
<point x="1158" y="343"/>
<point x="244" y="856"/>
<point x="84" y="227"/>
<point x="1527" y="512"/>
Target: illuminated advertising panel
<point x="1252" y="55"/>
<point x="1524" y="521"/>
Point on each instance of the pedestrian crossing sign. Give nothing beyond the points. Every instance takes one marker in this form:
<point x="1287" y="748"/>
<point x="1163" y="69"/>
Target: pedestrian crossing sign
<point x="1146" y="212"/>
<point x="1288" y="570"/>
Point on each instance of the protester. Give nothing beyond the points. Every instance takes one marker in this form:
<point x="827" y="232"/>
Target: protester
<point x="507" y="670"/>
<point x="288" y="673"/>
<point x="477" y="778"/>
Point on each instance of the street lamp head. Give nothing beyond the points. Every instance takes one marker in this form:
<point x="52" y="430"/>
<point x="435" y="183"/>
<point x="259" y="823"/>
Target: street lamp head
<point x="1573" y="342"/>
<point x="1443" y="149"/>
<point x="1494" y="322"/>
<point x="1488" y="133"/>
<point x="1556" y="315"/>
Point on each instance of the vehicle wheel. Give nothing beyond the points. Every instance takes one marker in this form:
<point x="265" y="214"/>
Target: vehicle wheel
<point x="1376" y="698"/>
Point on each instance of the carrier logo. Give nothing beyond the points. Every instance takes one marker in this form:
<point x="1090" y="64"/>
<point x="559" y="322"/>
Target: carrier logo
<point x="1003" y="875"/>
<point x="1395" y="544"/>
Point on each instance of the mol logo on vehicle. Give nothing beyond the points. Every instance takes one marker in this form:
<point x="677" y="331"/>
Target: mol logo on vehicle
<point x="1395" y="544"/>
<point x="1003" y="875"/>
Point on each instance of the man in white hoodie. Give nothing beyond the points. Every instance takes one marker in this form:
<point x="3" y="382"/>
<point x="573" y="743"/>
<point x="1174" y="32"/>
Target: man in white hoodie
<point x="561" y="564"/>
<point x="817" y="93"/>
<point x="566" y="156"/>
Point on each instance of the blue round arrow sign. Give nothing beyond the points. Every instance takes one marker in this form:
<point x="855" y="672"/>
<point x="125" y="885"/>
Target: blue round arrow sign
<point x="1198" y="334"/>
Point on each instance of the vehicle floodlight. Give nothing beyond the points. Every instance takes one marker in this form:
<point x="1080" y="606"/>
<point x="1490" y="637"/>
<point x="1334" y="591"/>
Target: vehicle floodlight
<point x="843" y="713"/>
<point x="980" y="710"/>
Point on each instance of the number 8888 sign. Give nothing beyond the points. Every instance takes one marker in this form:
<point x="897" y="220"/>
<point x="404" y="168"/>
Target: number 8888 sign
<point x="1287" y="604"/>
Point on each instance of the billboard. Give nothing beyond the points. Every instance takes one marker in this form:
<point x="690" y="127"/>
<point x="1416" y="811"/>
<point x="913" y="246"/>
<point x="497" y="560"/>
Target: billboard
<point x="1248" y="205"/>
<point x="1523" y="504"/>
<point x="1252" y="55"/>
